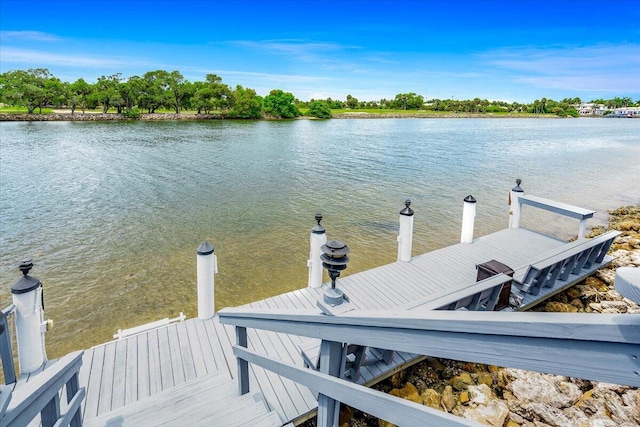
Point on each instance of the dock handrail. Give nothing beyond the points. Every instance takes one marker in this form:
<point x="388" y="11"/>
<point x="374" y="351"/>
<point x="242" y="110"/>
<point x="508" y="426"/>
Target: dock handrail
<point x="6" y="352"/>
<point x="564" y="209"/>
<point x="567" y="263"/>
<point x="41" y="395"/>
<point x="599" y="347"/>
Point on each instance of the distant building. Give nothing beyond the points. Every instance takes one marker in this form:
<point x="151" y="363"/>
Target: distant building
<point x="590" y="109"/>
<point x="626" y="112"/>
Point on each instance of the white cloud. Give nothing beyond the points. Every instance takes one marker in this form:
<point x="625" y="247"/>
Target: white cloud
<point x="38" y="36"/>
<point x="585" y="68"/>
<point x="46" y="59"/>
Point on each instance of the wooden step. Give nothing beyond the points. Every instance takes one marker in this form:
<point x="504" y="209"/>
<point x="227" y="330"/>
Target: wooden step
<point x="209" y="400"/>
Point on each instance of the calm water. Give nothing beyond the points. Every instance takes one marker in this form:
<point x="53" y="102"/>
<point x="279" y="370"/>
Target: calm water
<point x="112" y="213"/>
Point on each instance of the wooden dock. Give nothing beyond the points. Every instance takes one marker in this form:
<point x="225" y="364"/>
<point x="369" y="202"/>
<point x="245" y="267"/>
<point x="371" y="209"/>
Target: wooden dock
<point x="119" y="373"/>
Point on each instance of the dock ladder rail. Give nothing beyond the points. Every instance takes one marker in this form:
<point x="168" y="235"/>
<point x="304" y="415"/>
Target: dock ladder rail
<point x="598" y="347"/>
<point x="41" y="395"/>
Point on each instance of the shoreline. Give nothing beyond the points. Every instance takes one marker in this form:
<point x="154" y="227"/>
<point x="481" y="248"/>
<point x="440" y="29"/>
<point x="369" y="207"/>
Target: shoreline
<point x="110" y="117"/>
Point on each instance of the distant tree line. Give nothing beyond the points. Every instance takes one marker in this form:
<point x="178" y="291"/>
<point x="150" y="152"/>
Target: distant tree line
<point x="156" y="90"/>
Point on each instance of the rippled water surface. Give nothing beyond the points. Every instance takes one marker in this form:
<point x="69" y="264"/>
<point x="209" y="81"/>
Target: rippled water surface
<point x="112" y="213"/>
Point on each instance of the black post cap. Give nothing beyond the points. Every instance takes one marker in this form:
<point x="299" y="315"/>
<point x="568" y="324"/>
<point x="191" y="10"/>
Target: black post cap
<point x="470" y="199"/>
<point x="517" y="188"/>
<point x="407" y="211"/>
<point x="205" y="248"/>
<point x="318" y="228"/>
<point x="26" y="283"/>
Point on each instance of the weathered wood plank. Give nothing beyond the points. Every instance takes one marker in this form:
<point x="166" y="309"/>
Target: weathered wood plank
<point x="196" y="348"/>
<point x="155" y="367"/>
<point x="218" y="334"/>
<point x="106" y="385"/>
<point x="166" y="365"/>
<point x="119" y="374"/>
<point x="94" y="384"/>
<point x="142" y="367"/>
<point x="186" y="354"/>
<point x="212" y="353"/>
<point x="131" y="373"/>
<point x="177" y="365"/>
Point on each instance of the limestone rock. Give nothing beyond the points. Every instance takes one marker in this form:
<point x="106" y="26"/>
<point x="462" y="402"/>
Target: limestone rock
<point x="485" y="378"/>
<point x="431" y="398"/>
<point x="462" y="381"/>
<point x="493" y="414"/>
<point x="560" y="307"/>
<point x="480" y="394"/>
<point x="549" y="390"/>
<point x="409" y="392"/>
<point x="596" y="283"/>
<point x="448" y="399"/>
<point x="618" y="306"/>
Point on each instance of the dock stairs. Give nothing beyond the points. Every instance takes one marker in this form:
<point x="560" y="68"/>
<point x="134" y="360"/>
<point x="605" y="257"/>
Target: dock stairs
<point x="209" y="400"/>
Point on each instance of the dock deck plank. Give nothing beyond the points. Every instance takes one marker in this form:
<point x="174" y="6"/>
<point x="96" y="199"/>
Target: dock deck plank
<point x="166" y="357"/>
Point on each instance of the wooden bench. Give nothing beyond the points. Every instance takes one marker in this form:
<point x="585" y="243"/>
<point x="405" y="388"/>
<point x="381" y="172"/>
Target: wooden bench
<point x="559" y="265"/>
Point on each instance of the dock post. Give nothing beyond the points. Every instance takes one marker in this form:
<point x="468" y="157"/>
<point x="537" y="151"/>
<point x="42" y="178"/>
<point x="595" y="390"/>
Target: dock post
<point x="207" y="265"/>
<point x="30" y="325"/>
<point x="317" y="239"/>
<point x="514" y="205"/>
<point x="468" y="219"/>
<point x="405" y="236"/>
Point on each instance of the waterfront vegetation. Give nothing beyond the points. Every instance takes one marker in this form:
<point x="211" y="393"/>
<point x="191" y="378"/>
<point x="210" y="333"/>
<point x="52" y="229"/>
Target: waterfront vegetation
<point x="37" y="91"/>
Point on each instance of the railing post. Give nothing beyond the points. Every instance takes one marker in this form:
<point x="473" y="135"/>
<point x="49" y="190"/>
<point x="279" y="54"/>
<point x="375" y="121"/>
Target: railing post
<point x="468" y="219"/>
<point x="207" y="265"/>
<point x="514" y="205"/>
<point x="582" y="228"/>
<point x="51" y="412"/>
<point x="317" y="239"/>
<point x="5" y="347"/>
<point x="331" y="355"/>
<point x="405" y="235"/>
<point x="72" y="386"/>
<point x="243" y="365"/>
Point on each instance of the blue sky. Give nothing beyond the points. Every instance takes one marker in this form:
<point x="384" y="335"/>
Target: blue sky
<point x="504" y="50"/>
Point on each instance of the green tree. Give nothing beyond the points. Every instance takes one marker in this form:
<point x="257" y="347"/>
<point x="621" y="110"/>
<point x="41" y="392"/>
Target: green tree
<point x="176" y="86"/>
<point x="247" y="105"/>
<point x="319" y="109"/>
<point x="130" y="91"/>
<point x="352" y="102"/>
<point x="280" y="104"/>
<point x="79" y="92"/>
<point x="155" y="91"/>
<point x="106" y="92"/>
<point x="212" y="94"/>
<point x="408" y="101"/>
<point x="32" y="89"/>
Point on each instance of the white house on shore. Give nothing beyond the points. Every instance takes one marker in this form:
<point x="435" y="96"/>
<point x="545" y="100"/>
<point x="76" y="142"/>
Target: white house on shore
<point x="591" y="109"/>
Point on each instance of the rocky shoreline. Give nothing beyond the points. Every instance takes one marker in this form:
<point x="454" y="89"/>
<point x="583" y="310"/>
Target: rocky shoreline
<point x="505" y="397"/>
<point x="110" y="117"/>
<point x="100" y="117"/>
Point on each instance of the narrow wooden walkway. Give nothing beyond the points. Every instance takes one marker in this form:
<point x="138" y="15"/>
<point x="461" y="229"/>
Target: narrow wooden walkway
<point x="122" y="372"/>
